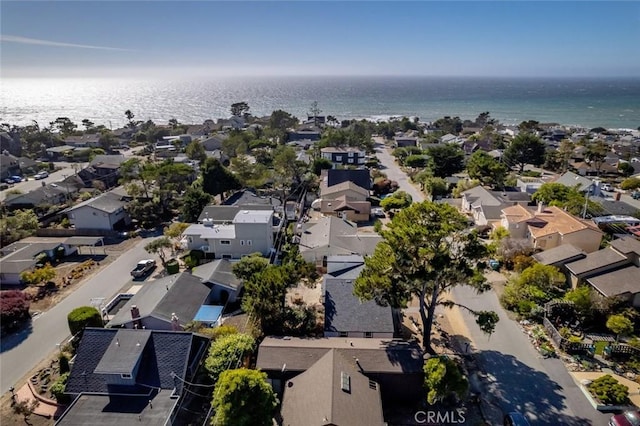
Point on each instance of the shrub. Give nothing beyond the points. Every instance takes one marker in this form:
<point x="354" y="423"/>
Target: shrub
<point x="525" y="306"/>
<point x="630" y="183"/>
<point x="84" y="316"/>
<point x="227" y="352"/>
<point x="14" y="306"/>
<point x="443" y="377"/>
<point x="190" y="262"/>
<point x="377" y="226"/>
<point x="58" y="387"/>
<point x="609" y="391"/>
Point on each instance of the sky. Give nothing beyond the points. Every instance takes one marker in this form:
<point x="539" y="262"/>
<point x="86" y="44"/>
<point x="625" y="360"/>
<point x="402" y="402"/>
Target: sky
<point x="429" y="38"/>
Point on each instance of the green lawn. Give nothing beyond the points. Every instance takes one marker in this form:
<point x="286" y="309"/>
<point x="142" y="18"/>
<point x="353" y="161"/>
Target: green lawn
<point x="600" y="345"/>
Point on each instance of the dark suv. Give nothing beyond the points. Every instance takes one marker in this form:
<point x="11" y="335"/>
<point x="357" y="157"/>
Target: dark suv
<point x="515" y="419"/>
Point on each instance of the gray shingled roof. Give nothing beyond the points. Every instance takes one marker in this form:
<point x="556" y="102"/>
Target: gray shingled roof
<point x="621" y="281"/>
<point x="375" y="355"/>
<point x="360" y="177"/>
<point x="222" y="214"/>
<point x="106" y="202"/>
<point x="182" y="294"/>
<point x="626" y="245"/>
<point x="334" y="236"/>
<point x="561" y="254"/>
<point x="332" y="391"/>
<point x="345" y="312"/>
<point x="596" y="260"/>
<point x="571" y="180"/>
<point x="220" y="272"/>
<point x="166" y="354"/>
<point x="124" y="352"/>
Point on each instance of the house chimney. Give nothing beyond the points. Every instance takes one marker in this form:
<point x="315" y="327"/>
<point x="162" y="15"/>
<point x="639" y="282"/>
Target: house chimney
<point x="540" y="207"/>
<point x="135" y="312"/>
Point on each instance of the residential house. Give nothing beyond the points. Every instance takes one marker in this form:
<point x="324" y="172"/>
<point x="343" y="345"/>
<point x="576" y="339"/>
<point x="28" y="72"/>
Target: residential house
<point x="51" y="194"/>
<point x="345" y="315"/>
<point x="341" y="156"/>
<point x="221" y="214"/>
<point x="106" y="212"/>
<point x="549" y="227"/>
<point x="249" y="232"/>
<point x="332" y="391"/>
<point x="449" y="138"/>
<point x="12" y="166"/>
<point x="232" y="123"/>
<point x="612" y="271"/>
<point x="583" y="184"/>
<point x="345" y="200"/>
<point x="404" y="141"/>
<point x="529" y="184"/>
<point x="225" y="286"/>
<point x="395" y="365"/>
<point x="127" y="377"/>
<point x="83" y="141"/>
<point x="58" y="153"/>
<point x="214" y="143"/>
<point x="332" y="236"/>
<point x="105" y="168"/>
<point x="23" y="256"/>
<point x="486" y="206"/>
<point x="305" y="133"/>
<point x="10" y="142"/>
<point x="360" y="177"/>
<point x="248" y="198"/>
<point x="167" y="303"/>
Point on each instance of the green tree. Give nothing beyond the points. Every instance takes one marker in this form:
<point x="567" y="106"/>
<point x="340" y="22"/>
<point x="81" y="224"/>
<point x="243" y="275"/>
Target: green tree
<point x="620" y="325"/>
<point x="243" y="398"/>
<point x="249" y="266"/>
<point x="280" y="121"/>
<point x="216" y="179"/>
<point x="446" y="160"/>
<point x="486" y="169"/>
<point x="195" y="151"/>
<point x="193" y="201"/>
<point x="425" y="252"/>
<point x="158" y="246"/>
<point x="397" y="200"/>
<point x="524" y="149"/>
<point x="88" y="124"/>
<point x="227" y="352"/>
<point x="65" y="126"/>
<point x="264" y="296"/>
<point x="130" y="116"/>
<point x="443" y="377"/>
<point x="250" y="175"/>
<point x="536" y="285"/>
<point x="175" y="230"/>
<point x="435" y="186"/>
<point x="448" y="125"/>
<point x="82" y="317"/>
<point x="416" y="161"/>
<point x="595" y="154"/>
<point x="21" y="224"/>
<point x="240" y="109"/>
<point x="626" y="169"/>
<point x="320" y="164"/>
<point x="630" y="184"/>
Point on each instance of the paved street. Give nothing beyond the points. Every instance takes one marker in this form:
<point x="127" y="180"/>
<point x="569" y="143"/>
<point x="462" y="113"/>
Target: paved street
<point x="21" y="352"/>
<point x="520" y="380"/>
<point x="31" y="184"/>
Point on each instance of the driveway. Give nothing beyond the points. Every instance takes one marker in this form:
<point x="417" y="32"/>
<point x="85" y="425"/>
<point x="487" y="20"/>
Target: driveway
<point x="518" y="378"/>
<point x="20" y="352"/>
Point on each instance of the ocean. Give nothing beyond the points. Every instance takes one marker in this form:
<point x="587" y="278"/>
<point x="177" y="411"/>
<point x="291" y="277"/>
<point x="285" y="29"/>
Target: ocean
<point x="609" y="103"/>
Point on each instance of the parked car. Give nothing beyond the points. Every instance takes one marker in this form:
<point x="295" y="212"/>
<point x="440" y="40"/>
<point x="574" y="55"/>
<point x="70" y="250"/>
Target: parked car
<point x="515" y="419"/>
<point x="41" y="175"/>
<point x="143" y="268"/>
<point x="606" y="187"/>
<point x="635" y="195"/>
<point x="378" y="212"/>
<point x="628" y="418"/>
<point x="13" y="179"/>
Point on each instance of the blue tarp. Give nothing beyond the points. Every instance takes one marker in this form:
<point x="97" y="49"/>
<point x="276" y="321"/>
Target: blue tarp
<point x="209" y="314"/>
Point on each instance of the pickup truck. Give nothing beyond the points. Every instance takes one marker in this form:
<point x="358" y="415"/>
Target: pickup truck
<point x="143" y="267"/>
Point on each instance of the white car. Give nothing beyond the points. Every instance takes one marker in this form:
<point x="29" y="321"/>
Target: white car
<point x="606" y="187"/>
<point x="41" y="175"/>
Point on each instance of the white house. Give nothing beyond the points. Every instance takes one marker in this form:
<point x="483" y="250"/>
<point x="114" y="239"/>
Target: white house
<point x="249" y="232"/>
<point x="105" y="212"/>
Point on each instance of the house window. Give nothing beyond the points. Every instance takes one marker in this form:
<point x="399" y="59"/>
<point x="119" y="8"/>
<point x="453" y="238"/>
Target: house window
<point x="241" y="242"/>
<point x="190" y="240"/>
<point x="350" y="160"/>
<point x="344" y="334"/>
<point x="125" y="376"/>
<point x="368" y="334"/>
<point x="351" y="154"/>
<point x="249" y="242"/>
<point x="373" y="385"/>
<point x="225" y="242"/>
<point x="338" y="157"/>
<point x="226" y="256"/>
